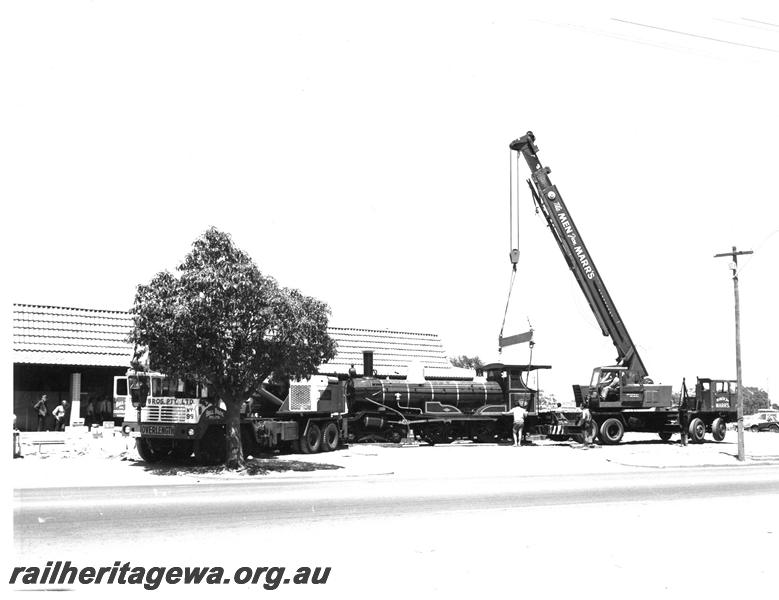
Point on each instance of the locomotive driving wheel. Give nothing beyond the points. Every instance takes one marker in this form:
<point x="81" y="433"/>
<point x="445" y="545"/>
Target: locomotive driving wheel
<point x="485" y="433"/>
<point x="435" y="434"/>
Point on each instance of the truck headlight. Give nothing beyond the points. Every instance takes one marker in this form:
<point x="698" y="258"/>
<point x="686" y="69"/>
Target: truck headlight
<point x="191" y="432"/>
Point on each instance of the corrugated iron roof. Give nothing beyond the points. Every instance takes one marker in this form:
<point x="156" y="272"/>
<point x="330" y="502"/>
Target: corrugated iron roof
<point x="59" y="335"/>
<point x="393" y="353"/>
<point x="56" y="335"/>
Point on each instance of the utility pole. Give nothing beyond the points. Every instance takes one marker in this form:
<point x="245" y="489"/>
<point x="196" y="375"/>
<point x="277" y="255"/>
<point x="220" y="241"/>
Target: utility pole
<point x="734" y="254"/>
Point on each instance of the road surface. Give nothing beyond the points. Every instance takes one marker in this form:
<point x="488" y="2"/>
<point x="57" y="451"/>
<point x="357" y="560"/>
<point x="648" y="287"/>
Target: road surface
<point x="662" y="533"/>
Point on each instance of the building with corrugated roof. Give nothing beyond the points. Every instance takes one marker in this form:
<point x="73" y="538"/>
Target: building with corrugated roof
<point x="74" y="354"/>
<point x="68" y="354"/>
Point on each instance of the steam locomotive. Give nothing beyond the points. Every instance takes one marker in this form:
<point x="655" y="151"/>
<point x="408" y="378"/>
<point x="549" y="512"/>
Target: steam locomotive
<point x="439" y="411"/>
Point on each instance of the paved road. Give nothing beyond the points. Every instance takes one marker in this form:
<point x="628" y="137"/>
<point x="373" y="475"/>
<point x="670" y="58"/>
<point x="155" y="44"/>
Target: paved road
<point x="439" y="535"/>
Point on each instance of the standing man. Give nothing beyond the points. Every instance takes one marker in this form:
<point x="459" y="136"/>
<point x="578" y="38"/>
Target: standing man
<point x="586" y="424"/>
<point x="41" y="409"/>
<point x="519" y="414"/>
<point x="59" y="413"/>
<point x="684" y="420"/>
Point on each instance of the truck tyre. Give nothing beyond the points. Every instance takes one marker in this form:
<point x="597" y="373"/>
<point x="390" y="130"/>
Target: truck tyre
<point x="182" y="450"/>
<point x="212" y="447"/>
<point x="697" y="431"/>
<point x="311" y="441"/>
<point x="718" y="429"/>
<point x="330" y="437"/>
<point x="665" y="435"/>
<point x="611" y="431"/>
<point x="147" y="451"/>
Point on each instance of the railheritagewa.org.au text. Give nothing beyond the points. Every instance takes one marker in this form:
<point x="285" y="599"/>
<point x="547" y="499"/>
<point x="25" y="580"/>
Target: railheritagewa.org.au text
<point x="56" y="574"/>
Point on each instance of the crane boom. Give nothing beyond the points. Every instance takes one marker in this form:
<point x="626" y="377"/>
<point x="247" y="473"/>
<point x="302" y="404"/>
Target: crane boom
<point x="550" y="203"/>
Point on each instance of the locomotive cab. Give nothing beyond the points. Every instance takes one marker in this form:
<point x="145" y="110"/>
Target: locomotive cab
<point x="513" y="380"/>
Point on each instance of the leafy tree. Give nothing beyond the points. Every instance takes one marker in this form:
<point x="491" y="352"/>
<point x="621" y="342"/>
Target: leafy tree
<point x="754" y="398"/>
<point x="225" y="324"/>
<point x="467" y="362"/>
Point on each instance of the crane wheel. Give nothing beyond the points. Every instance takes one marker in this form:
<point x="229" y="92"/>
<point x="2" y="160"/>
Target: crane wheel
<point x="718" y="429"/>
<point x="311" y="441"/>
<point x="611" y="431"/>
<point x="697" y="431"/>
<point x="330" y="437"/>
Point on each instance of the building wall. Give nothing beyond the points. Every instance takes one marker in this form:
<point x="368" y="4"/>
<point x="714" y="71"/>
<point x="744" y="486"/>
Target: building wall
<point x="32" y="381"/>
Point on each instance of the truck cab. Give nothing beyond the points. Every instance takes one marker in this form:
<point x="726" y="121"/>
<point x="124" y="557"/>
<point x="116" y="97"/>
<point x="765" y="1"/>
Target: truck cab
<point x="713" y="395"/>
<point x="612" y="388"/>
<point x="167" y="400"/>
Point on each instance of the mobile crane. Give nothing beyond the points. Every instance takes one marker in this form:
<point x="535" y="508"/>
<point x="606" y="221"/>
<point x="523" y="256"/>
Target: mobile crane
<point x="620" y="397"/>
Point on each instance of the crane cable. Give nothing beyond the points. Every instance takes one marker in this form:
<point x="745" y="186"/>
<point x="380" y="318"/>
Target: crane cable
<point x="505" y="312"/>
<point x="513" y="252"/>
<point x="530" y="344"/>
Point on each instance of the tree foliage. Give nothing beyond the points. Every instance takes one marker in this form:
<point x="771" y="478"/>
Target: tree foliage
<point x="754" y="399"/>
<point x="222" y="322"/>
<point x="466" y="362"/>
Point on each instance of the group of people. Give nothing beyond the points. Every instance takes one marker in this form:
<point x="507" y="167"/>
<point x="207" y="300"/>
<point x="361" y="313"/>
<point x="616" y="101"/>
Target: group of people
<point x="59" y="413"/>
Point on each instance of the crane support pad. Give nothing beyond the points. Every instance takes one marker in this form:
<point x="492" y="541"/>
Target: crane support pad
<point x="516" y="339"/>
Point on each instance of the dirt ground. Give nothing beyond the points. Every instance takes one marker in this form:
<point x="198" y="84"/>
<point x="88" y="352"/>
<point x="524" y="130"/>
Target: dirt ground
<point x="86" y="459"/>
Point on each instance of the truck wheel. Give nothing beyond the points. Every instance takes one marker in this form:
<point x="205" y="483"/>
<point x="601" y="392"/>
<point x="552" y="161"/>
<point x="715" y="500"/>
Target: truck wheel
<point x="330" y="437"/>
<point x="718" y="429"/>
<point x="611" y="431"/>
<point x="311" y="442"/>
<point x="665" y="435"/>
<point x="182" y="450"/>
<point x="697" y="431"/>
<point x="212" y="447"/>
<point x="147" y="450"/>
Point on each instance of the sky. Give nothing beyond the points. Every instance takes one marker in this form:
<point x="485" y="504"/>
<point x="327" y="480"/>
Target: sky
<point x="359" y="152"/>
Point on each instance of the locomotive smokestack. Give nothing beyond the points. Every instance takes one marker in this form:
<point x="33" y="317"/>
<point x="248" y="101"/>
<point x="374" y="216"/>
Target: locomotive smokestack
<point x="367" y="363"/>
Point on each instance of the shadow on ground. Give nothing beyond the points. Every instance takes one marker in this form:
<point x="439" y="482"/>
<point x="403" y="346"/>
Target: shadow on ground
<point x="254" y="466"/>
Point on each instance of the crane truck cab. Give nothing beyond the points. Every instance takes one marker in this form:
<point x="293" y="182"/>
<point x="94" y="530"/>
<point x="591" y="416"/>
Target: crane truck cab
<point x="613" y="387"/>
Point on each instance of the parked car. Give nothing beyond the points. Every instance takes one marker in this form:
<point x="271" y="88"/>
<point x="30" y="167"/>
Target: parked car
<point x="764" y="421"/>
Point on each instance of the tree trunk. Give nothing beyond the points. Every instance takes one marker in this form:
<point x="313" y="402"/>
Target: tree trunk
<point x="235" y="460"/>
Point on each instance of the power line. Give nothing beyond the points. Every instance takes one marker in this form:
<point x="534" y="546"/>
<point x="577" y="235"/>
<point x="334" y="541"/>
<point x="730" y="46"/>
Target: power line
<point x="759" y="246"/>
<point x="752" y="25"/>
<point x="695" y="35"/>
<point x="761" y="22"/>
<point x="626" y="38"/>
